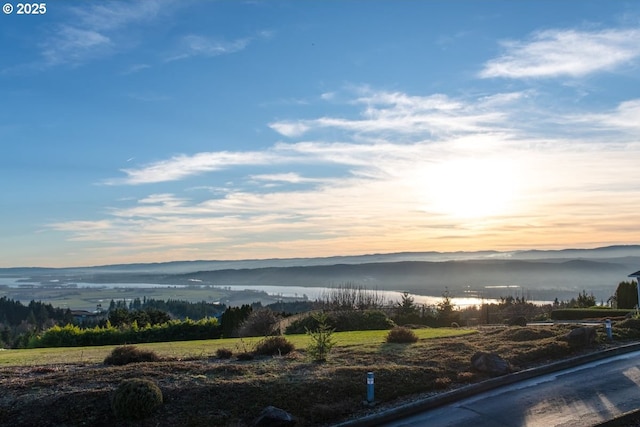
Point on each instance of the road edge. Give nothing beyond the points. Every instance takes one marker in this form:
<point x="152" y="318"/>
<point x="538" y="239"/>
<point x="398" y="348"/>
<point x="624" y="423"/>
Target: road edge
<point x="425" y="404"/>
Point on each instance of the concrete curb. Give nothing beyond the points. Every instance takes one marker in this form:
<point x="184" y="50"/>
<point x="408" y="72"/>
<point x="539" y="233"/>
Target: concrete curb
<point x="467" y="391"/>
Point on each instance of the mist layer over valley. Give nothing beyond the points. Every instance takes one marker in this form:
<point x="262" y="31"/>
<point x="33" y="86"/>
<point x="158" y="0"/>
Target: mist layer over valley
<point x="535" y="275"/>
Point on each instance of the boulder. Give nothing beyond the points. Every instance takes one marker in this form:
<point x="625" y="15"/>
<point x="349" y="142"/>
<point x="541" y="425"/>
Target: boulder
<point x="274" y="417"/>
<point x="490" y="363"/>
<point x="581" y="337"/>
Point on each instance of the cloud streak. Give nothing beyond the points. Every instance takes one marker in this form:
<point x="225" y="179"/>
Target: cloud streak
<point x="96" y="30"/>
<point x="572" y="53"/>
<point x="399" y="113"/>
<point x="183" y="166"/>
<point x="101" y="29"/>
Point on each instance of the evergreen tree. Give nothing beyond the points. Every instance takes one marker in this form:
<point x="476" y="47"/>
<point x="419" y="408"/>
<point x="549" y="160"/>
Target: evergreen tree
<point x="627" y="295"/>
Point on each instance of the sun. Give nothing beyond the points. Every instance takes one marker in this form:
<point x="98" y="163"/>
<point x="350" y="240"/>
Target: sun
<point x="471" y="188"/>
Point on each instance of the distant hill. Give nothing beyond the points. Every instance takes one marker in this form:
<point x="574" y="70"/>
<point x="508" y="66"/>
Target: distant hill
<point x="535" y="273"/>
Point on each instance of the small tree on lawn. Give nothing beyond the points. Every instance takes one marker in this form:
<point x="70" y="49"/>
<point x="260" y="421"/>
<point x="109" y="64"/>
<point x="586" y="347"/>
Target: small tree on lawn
<point x="321" y="339"/>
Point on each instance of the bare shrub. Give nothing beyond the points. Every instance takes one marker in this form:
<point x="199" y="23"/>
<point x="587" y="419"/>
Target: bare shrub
<point x="349" y="296"/>
<point x="126" y="354"/>
<point x="260" y="323"/>
<point x="244" y="357"/>
<point x="401" y="335"/>
<point x="274" y="346"/>
<point x="224" y="353"/>
<point x="442" y="382"/>
<point x="632" y="323"/>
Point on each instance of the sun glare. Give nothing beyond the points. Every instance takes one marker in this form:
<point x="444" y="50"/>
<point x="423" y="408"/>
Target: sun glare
<point x="471" y="188"/>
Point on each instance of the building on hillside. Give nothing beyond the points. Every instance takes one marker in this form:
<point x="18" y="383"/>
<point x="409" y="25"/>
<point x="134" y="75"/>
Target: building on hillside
<point x="84" y="316"/>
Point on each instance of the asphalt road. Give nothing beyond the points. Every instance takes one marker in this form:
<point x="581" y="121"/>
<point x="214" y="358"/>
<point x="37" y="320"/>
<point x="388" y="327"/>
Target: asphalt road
<point x="582" y="396"/>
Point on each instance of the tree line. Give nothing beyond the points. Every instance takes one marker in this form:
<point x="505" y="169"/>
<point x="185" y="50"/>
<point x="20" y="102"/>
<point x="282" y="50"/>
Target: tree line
<point x="22" y="326"/>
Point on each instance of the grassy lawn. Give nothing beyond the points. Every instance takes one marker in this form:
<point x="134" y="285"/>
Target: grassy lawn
<point x="366" y="340"/>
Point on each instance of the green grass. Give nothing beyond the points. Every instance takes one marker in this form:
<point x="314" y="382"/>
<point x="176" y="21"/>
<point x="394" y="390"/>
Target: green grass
<point x="364" y="340"/>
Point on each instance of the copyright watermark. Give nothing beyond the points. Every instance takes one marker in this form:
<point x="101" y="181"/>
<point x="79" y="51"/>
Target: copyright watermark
<point x="25" y="8"/>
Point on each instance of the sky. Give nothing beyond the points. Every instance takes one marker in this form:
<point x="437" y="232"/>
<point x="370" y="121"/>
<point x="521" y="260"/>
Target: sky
<point x="162" y="130"/>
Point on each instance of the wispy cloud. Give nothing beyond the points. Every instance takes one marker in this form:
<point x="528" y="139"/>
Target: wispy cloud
<point x="183" y="166"/>
<point x="400" y="113"/>
<point x="291" y="178"/>
<point x="73" y="45"/>
<point x="96" y="29"/>
<point x="624" y="116"/>
<point x="572" y="53"/>
<point x="194" y="45"/>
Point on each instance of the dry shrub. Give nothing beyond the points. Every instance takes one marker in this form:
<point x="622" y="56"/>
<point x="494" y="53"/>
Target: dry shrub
<point x="401" y="335"/>
<point x="224" y="353"/>
<point x="244" y="356"/>
<point x="629" y="324"/>
<point x="466" y="377"/>
<point x="526" y="334"/>
<point x="274" y="346"/>
<point x="136" y="398"/>
<point x="442" y="382"/>
<point x="126" y="354"/>
<point x="261" y="323"/>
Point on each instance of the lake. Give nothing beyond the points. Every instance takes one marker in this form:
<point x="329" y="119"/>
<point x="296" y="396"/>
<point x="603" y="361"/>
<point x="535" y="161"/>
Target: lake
<point x="302" y="292"/>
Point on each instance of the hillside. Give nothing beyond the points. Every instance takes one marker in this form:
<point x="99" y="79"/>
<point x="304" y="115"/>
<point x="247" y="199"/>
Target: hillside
<point x="540" y="275"/>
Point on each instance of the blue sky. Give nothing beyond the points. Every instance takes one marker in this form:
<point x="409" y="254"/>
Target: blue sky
<point x="163" y="130"/>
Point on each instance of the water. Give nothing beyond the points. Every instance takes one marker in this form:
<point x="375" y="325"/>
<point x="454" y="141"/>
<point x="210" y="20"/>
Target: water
<point x="302" y="292"/>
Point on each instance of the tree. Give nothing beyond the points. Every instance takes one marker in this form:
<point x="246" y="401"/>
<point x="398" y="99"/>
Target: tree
<point x="232" y="318"/>
<point x="321" y="339"/>
<point x="119" y="317"/>
<point x="445" y="310"/>
<point x="627" y="295"/>
<point x="585" y="301"/>
<point x="407" y="311"/>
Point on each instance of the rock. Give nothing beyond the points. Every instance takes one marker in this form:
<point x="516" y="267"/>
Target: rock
<point x="274" y="417"/>
<point x="581" y="337"/>
<point x="490" y="363"/>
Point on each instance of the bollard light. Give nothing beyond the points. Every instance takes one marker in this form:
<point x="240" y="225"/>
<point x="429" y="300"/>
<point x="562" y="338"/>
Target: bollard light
<point x="370" y="395"/>
<point x="607" y="326"/>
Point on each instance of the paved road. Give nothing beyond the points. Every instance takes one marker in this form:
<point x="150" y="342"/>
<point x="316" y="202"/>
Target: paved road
<point x="578" y="397"/>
